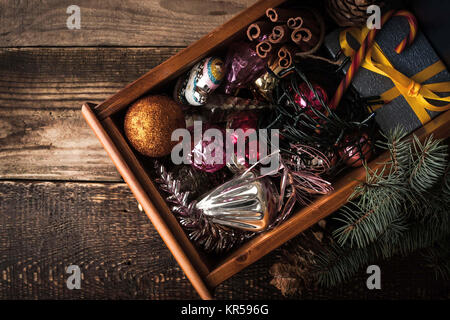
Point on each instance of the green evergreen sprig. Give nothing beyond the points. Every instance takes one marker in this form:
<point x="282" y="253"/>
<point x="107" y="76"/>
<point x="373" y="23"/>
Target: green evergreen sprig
<point x="438" y="259"/>
<point x="401" y="208"/>
<point x="395" y="189"/>
<point x="429" y="162"/>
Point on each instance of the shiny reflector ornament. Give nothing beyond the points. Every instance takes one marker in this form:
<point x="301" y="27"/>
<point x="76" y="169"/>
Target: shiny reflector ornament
<point x="245" y="202"/>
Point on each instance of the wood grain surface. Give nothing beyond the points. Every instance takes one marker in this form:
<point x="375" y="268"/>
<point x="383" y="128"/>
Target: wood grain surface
<point x="62" y="201"/>
<point x="42" y="133"/>
<point x="113" y="22"/>
<point x="47" y="226"/>
<point x="44" y="78"/>
<point x="51" y="144"/>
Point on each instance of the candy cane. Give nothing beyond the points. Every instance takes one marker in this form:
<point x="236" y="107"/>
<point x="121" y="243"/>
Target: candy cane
<point x="412" y="21"/>
<point x="368" y="43"/>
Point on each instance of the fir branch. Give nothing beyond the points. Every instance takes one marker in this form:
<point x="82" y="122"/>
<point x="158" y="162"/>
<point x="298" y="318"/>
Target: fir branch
<point x="438" y="259"/>
<point x="396" y="211"/>
<point x="335" y="265"/>
<point x="401" y="238"/>
<point x="424" y="233"/>
<point x="414" y="168"/>
<point x="399" y="150"/>
<point x="365" y="220"/>
<point x="429" y="162"/>
<point x="446" y="184"/>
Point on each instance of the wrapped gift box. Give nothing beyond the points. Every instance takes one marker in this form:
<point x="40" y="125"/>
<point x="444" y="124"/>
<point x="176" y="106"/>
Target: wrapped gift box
<point x="414" y="59"/>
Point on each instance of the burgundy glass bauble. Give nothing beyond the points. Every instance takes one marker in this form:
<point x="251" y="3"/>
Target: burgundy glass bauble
<point x="306" y="100"/>
<point x="354" y="151"/>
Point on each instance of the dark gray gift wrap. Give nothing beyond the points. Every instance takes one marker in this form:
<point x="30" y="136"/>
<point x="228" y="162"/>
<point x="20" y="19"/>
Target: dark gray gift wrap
<point x="414" y="59"/>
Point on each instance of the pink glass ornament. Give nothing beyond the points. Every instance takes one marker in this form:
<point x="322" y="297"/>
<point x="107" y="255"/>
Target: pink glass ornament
<point x="204" y="151"/>
<point x="243" y="66"/>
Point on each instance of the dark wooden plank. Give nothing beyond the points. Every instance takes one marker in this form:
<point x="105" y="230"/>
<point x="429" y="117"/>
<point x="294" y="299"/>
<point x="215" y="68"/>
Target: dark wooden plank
<point x="51" y="144"/>
<point x="47" y="226"/>
<point x="113" y="22"/>
<point x="42" y="133"/>
<point x="67" y="77"/>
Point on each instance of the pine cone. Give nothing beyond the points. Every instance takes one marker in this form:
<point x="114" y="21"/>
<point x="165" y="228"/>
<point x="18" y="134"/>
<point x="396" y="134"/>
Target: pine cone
<point x="295" y="272"/>
<point x="285" y="279"/>
<point x="349" y="13"/>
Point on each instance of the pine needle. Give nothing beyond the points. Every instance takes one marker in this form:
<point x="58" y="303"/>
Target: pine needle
<point x="401" y="208"/>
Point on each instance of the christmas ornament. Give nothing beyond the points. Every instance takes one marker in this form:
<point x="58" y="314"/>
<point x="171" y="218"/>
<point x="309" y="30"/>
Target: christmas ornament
<point x="354" y="151"/>
<point x="149" y="123"/>
<point x="245" y="146"/>
<point x="207" y="235"/>
<point x="306" y="100"/>
<point x="203" y="78"/>
<point x="210" y="236"/>
<point x="245" y="202"/>
<point x="263" y="86"/>
<point x="208" y="154"/>
<point x="317" y="162"/>
<point x="323" y="127"/>
<point x="349" y="13"/>
<point x="196" y="182"/>
<point x="302" y="177"/>
<point x="220" y="106"/>
<point x="243" y="66"/>
<point x="180" y="89"/>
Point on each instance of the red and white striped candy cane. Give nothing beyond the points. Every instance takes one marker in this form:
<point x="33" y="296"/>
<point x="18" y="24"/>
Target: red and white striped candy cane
<point x="368" y="42"/>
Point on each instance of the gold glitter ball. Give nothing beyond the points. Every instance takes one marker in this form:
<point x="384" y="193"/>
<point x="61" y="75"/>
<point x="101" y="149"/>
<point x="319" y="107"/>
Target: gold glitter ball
<point x="149" y="124"/>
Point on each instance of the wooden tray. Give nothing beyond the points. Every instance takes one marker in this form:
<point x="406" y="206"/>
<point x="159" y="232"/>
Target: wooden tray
<point x="205" y="274"/>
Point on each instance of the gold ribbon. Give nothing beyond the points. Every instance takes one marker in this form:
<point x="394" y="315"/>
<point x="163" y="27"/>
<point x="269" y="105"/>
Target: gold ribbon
<point x="412" y="89"/>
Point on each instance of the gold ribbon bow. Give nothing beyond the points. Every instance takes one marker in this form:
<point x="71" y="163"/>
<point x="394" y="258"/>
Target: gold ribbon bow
<point x="412" y="89"/>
